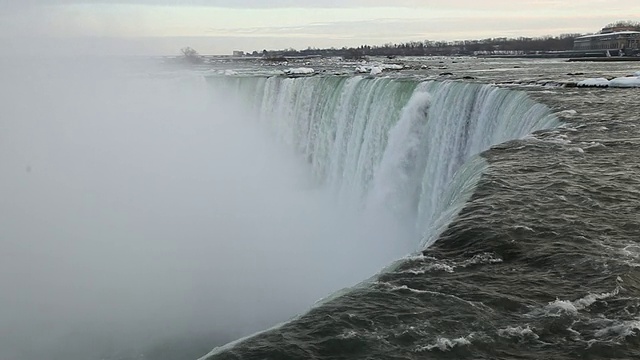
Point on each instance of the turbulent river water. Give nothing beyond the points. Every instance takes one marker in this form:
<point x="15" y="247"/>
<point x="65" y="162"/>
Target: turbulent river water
<point x="542" y="260"/>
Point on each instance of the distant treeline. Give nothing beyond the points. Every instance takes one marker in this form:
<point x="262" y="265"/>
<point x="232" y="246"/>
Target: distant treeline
<point x="521" y="45"/>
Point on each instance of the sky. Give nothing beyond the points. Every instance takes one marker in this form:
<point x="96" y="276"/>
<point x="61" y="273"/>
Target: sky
<point x="155" y="27"/>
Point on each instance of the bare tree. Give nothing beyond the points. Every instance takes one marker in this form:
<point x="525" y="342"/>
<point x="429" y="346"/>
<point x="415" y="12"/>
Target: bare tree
<point x="624" y="23"/>
<point x="191" y="55"/>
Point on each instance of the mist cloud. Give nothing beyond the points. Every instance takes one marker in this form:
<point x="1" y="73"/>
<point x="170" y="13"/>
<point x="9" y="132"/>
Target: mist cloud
<point x="137" y="206"/>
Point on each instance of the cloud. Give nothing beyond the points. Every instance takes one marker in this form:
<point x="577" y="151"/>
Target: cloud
<point x="261" y="4"/>
<point x="229" y="3"/>
<point x="257" y="24"/>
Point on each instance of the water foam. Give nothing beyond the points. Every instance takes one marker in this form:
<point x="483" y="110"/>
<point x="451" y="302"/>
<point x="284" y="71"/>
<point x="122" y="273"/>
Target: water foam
<point x="567" y="307"/>
<point x="518" y="332"/>
<point x="445" y="344"/>
<point x="620" y="330"/>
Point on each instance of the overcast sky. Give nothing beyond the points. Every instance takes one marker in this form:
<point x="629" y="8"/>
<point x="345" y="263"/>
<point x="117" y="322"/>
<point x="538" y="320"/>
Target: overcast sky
<point x="220" y="26"/>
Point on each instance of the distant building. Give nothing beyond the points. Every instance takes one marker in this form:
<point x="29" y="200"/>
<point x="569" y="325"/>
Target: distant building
<point x="610" y="41"/>
<point x="238" y="53"/>
<point x="620" y="37"/>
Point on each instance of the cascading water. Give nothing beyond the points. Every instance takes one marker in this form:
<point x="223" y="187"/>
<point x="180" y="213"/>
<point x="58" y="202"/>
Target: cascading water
<point x="528" y="249"/>
<point x="400" y="147"/>
<point x="391" y="145"/>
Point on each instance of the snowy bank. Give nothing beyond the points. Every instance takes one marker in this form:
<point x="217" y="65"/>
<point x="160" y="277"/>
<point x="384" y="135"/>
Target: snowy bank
<point x="300" y="71"/>
<point x="377" y="69"/>
<point x="598" y="82"/>
<point x="621" y="82"/>
<point x="625" y="82"/>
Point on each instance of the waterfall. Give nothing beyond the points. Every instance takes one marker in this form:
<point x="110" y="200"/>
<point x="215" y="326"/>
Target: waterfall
<point x="394" y="145"/>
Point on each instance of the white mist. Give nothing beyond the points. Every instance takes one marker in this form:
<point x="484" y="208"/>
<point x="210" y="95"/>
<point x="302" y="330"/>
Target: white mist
<point x="138" y="207"/>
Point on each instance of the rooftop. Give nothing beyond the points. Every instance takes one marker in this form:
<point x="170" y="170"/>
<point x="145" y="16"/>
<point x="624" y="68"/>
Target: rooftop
<point x="608" y="34"/>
